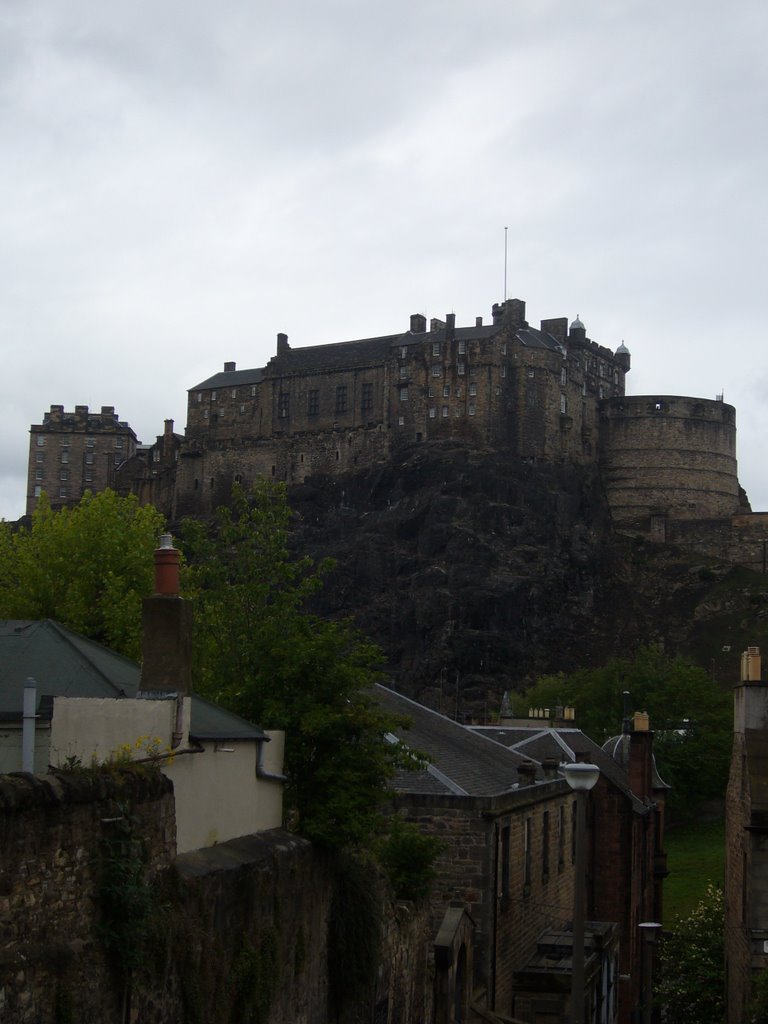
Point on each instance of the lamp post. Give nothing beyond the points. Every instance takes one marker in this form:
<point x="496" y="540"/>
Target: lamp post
<point x="581" y="778"/>
<point x="650" y="931"/>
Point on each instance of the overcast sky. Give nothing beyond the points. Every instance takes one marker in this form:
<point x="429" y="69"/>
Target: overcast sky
<point x="180" y="180"/>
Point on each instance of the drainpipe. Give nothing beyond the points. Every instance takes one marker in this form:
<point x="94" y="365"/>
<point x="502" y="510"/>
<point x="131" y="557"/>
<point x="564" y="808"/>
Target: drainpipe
<point x="28" y="726"/>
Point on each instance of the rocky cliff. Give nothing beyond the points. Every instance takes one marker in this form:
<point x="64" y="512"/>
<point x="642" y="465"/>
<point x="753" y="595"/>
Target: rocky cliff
<point x="476" y="572"/>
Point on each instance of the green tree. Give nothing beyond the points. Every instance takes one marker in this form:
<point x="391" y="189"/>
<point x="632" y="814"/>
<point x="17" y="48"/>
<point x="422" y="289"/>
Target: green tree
<point x="691" y="983"/>
<point x="261" y="653"/>
<point x="690" y="715"/>
<point x="88" y="567"/>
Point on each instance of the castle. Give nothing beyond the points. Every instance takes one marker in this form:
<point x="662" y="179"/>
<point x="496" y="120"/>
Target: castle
<point x="543" y="394"/>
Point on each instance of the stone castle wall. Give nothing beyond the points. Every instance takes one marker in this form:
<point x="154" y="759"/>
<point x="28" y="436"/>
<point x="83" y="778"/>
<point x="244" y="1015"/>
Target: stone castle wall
<point x="668" y="456"/>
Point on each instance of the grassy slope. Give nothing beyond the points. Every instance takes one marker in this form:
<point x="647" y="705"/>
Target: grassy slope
<point x="695" y="856"/>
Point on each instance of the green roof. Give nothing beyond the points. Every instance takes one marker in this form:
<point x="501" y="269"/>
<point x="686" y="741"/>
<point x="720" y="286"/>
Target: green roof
<point x="65" y="664"/>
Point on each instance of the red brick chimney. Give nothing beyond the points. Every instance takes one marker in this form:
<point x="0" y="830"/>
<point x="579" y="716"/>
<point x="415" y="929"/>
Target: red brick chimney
<point x="166" y="619"/>
<point x="640" y="757"/>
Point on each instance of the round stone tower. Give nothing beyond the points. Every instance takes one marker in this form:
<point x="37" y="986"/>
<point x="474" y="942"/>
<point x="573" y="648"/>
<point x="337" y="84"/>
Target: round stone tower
<point x="667" y="457"/>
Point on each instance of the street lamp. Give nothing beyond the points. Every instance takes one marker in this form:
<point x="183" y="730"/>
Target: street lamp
<point x="650" y="931"/>
<point x="581" y="778"/>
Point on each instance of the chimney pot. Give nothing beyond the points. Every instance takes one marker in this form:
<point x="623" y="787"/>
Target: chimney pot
<point x="167" y="560"/>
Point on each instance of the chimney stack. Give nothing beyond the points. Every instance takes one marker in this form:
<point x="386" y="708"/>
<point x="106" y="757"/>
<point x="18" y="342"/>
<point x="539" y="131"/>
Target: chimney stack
<point x="750" y="696"/>
<point x="230" y="367"/>
<point x="166" y="619"/>
<point x="282" y="344"/>
<point x="450" y="326"/>
<point x="418" y="323"/>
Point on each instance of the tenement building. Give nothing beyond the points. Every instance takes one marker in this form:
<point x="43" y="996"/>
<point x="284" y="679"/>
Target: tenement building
<point x="746" y="842"/>
<point x="72" y="452"/>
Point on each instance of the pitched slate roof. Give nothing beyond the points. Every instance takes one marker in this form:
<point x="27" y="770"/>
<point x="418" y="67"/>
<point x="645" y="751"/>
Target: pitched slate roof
<point x="65" y="664"/>
<point x="337" y="355"/>
<point x="566" y="745"/>
<point x="529" y="337"/>
<point x="461" y="761"/>
<point x="230" y="379"/>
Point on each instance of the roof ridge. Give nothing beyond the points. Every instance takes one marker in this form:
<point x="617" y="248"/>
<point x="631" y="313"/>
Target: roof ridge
<point x="66" y="635"/>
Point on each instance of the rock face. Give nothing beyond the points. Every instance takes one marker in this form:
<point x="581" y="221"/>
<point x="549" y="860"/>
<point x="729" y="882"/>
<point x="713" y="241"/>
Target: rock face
<point x="476" y="572"/>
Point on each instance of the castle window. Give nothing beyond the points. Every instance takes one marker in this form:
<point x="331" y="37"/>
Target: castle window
<point x="242" y="409"/>
<point x="462" y="347"/>
<point x="89" y="458"/>
<point x="615" y="376"/>
<point x="445" y="411"/>
<point x="504" y="349"/>
<point x="39" y="457"/>
<point x="472" y="389"/>
<point x="401" y="421"/>
<point x="404" y="394"/>
<point x="432" y="412"/>
<point x="366" y="403"/>
<point x="403" y="373"/>
<point x="460" y="369"/>
<point x="473" y="371"/>
<point x="118" y="442"/>
<point x="584" y="388"/>
<point x="118" y="458"/>
<point x="563" y="377"/>
<point x="430" y="391"/>
<point x="90" y="442"/>
<point x="199" y="396"/>
<point x="341" y="398"/>
<point x="446" y="390"/>
<point x="213" y="396"/>
<point x="62" y="492"/>
<point x="563" y="405"/>
<point x="156" y="455"/>
<point x="282" y="404"/>
<point x="253" y="391"/>
<point x="437" y="370"/>
<point x="458" y="392"/>
<point x="233" y="393"/>
<point x="531" y="372"/>
<point x="38" y="491"/>
<point x="64" y="474"/>
<point x="64" y="456"/>
<point x="403" y="351"/>
<point x="600" y="392"/>
<point x="313" y="402"/>
<point x="435" y="348"/>
<point x="38" y="474"/>
<point x="503" y="369"/>
<point x="205" y="414"/>
<point x="64" y="442"/>
<point x="88" y="476"/>
<point x="471" y="409"/>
